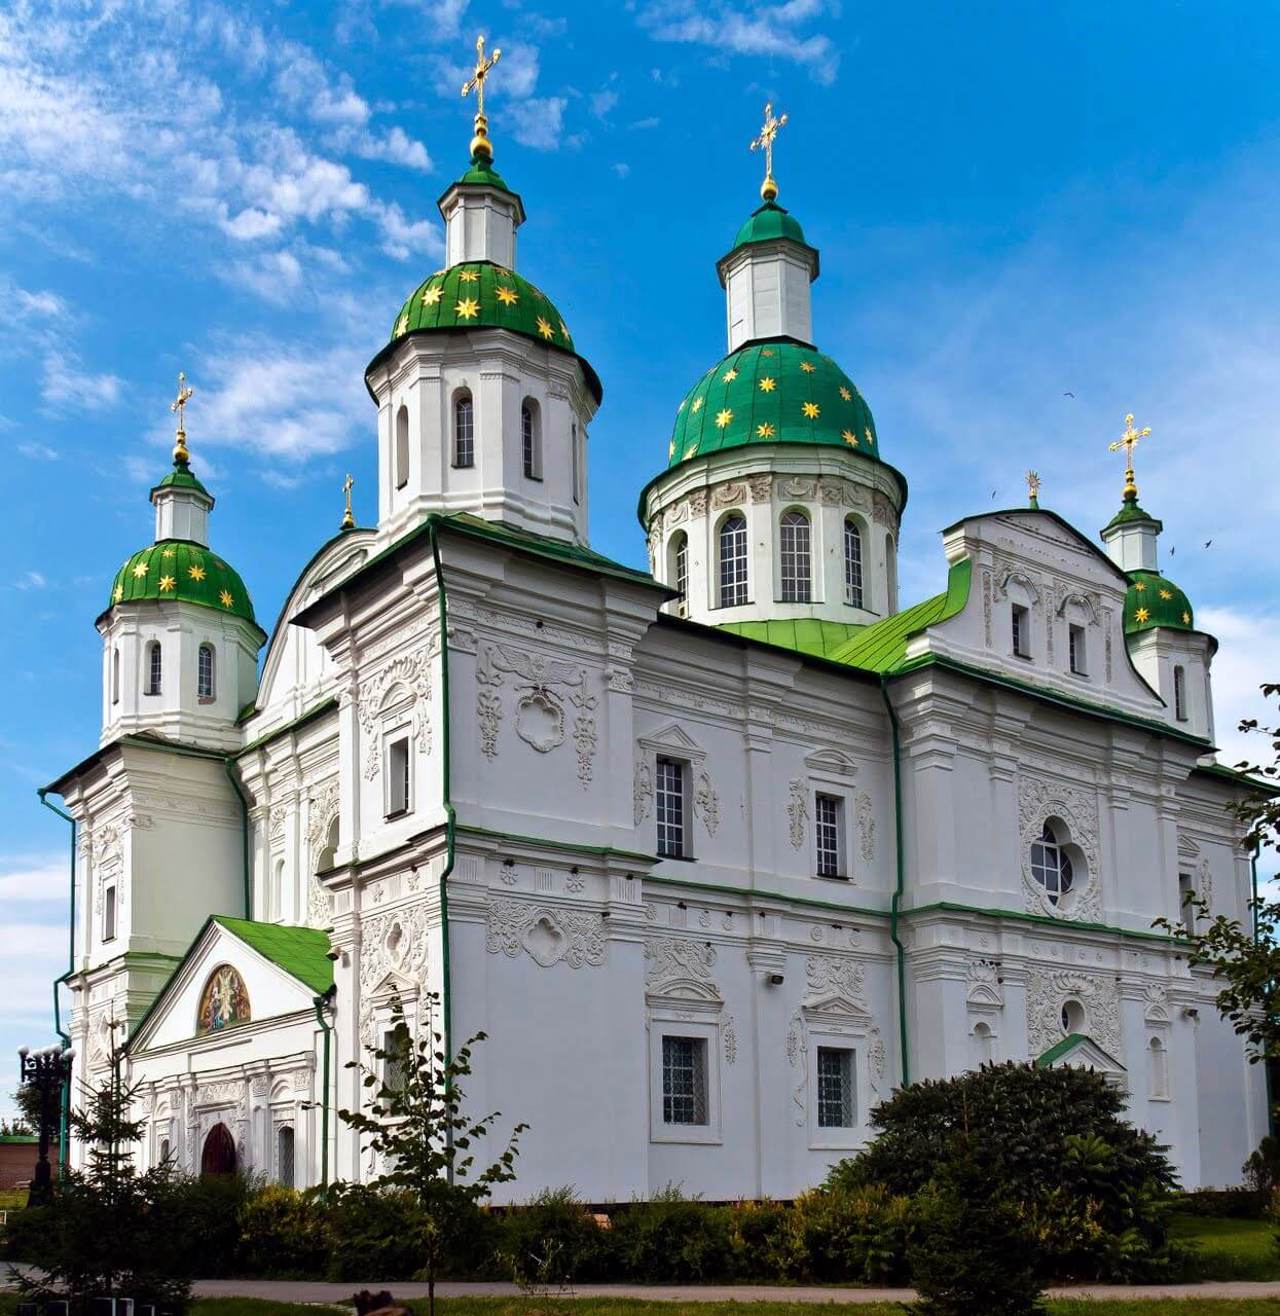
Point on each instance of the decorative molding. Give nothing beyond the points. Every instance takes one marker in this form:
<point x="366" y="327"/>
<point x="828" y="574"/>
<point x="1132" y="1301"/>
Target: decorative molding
<point x="679" y="967"/>
<point x="1156" y="1008"/>
<point x="1204" y="883"/>
<point x="761" y="488"/>
<point x="706" y="803"/>
<point x="642" y="790"/>
<point x="797" y="810"/>
<point x="411" y="670"/>
<point x="835" y="983"/>
<point x="1049" y="989"/>
<point x="393" y="947"/>
<point x="983" y="990"/>
<point x="728" y="495"/>
<point x="1038" y="801"/>
<point x="540" y="720"/>
<point x="865" y="817"/>
<point x="729" y="1036"/>
<point x="549" y="936"/>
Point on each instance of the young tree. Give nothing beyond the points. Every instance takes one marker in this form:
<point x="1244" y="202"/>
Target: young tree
<point x="1245" y="959"/>
<point x="423" y="1139"/>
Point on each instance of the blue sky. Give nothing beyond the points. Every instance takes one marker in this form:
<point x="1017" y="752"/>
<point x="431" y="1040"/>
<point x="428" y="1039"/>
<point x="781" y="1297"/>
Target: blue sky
<point x="1032" y="219"/>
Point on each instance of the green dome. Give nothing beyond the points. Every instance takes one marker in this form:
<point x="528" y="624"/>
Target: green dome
<point x="772" y="392"/>
<point x="181" y="478"/>
<point x="1154" y="601"/>
<point x="770" y="224"/>
<point x="180" y="569"/>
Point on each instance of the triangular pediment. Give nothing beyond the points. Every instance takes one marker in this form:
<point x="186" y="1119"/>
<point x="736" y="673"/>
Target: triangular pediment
<point x="836" y="1003"/>
<point x="674" y="737"/>
<point x="683" y="989"/>
<point x="1081" y="1052"/>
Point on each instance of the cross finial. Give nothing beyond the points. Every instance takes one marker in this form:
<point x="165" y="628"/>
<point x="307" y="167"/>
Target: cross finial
<point x="1033" y="488"/>
<point x="179" y="406"/>
<point x="348" y="521"/>
<point x="480" y="144"/>
<point x="768" y="131"/>
<point x="1128" y="441"/>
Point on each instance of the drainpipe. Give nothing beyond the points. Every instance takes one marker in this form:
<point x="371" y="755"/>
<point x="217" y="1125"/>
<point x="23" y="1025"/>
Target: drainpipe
<point x="320" y="1002"/>
<point x="228" y="765"/>
<point x="1267" y="1063"/>
<point x="896" y="908"/>
<point x="446" y="993"/>
<point x="64" y="1116"/>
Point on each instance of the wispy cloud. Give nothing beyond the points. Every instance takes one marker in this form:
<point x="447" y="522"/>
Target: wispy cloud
<point x="780" y="31"/>
<point x="64" y="384"/>
<point x="37" y="451"/>
<point x="30" y="580"/>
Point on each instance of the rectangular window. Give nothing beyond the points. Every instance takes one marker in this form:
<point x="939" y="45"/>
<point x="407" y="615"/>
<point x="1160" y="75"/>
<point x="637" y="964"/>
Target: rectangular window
<point x="1186" y="910"/>
<point x="1075" y="650"/>
<point x="684" y="1080"/>
<point x="109" y="914"/>
<point x="464" y="431"/>
<point x="204" y="672"/>
<point x="828" y="813"/>
<point x="670" y="806"/>
<point x="154" y="670"/>
<point x="835" y="1088"/>
<point x="576" y="458"/>
<point x="395" y="1043"/>
<point x="398" y="777"/>
<point x="1021" y="631"/>
<point x="1180" y="693"/>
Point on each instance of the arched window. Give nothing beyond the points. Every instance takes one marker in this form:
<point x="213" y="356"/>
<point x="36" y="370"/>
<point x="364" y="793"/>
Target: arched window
<point x="1051" y="864"/>
<point x="891" y="573"/>
<point x="1074" y="1019"/>
<point x="733" y="560"/>
<point x="852" y="563"/>
<point x="793" y="540"/>
<point x="275" y="895"/>
<point x="164" y="1150"/>
<point x="402" y="447"/>
<point x="1180" y="693"/>
<point x="205" y="672"/>
<point x="531" y="440"/>
<point x="464" y="430"/>
<point x="327" y="856"/>
<point x="982" y="1054"/>
<point x="284" y="1155"/>
<point x="115" y="676"/>
<point x="576" y="458"/>
<point x="678" y="565"/>
<point x="1157" y="1070"/>
<point x="154" y="667"/>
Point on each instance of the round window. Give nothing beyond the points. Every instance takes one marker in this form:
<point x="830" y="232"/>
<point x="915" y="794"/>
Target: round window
<point x="1051" y="865"/>
<point x="1073" y="1018"/>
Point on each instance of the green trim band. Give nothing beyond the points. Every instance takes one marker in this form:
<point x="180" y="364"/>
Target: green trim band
<point x="1018" y="916"/>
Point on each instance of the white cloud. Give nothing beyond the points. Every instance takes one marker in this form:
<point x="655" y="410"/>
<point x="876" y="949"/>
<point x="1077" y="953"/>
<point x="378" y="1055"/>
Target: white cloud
<point x="33" y="878"/>
<point x="622" y="169"/>
<point x="752" y="29"/>
<point x="1249" y="654"/>
<point x="402" y="237"/>
<point x="38" y="451"/>
<point x="252" y="223"/>
<point x="30" y="580"/>
<point x="395" y="146"/>
<point x="538" y="122"/>
<point x="64" y="383"/>
<point x="40" y="303"/>
<point x="602" y="102"/>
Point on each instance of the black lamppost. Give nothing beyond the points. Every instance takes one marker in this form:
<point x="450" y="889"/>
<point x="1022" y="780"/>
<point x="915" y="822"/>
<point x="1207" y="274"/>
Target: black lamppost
<point x="46" y="1070"/>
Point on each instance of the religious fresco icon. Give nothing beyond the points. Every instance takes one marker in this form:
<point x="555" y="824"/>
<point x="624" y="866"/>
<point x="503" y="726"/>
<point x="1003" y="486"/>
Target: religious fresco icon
<point x="223" y="1002"/>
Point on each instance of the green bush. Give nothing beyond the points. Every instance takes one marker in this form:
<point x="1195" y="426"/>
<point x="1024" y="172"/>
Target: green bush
<point x="205" y="1221"/>
<point x="856" y="1235"/>
<point x="767" y="1243"/>
<point x="672" y="1239"/>
<point x="376" y="1234"/>
<point x="1055" y="1140"/>
<point x="552" y="1240"/>
<point x="283" y="1233"/>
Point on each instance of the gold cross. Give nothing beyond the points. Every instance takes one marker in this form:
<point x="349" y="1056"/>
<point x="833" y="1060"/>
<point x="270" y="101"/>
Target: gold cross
<point x="348" y="521"/>
<point x="178" y="406"/>
<point x="768" y="131"/>
<point x="476" y="81"/>
<point x="1128" y="441"/>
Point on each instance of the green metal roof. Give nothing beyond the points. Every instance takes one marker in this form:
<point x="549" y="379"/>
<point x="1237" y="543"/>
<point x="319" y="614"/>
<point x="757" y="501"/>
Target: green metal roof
<point x="181" y="478"/>
<point x="183" y="570"/>
<point x="303" y="953"/>
<point x="1153" y="601"/>
<point x="1130" y="512"/>
<point x="771" y="223"/>
<point x="821" y="639"/>
<point x="1059" y="1049"/>
<point x="772" y="392"/>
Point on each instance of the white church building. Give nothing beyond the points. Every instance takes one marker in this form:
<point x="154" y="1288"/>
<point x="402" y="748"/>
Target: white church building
<point x="717" y="854"/>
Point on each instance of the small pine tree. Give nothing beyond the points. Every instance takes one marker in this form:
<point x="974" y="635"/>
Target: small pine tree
<point x="418" y="1130"/>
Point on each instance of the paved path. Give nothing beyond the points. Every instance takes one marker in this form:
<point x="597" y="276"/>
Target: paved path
<point x="307" y="1291"/>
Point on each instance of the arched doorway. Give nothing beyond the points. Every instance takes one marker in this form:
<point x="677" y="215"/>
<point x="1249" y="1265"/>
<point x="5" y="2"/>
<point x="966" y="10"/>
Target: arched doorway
<point x="219" y="1155"/>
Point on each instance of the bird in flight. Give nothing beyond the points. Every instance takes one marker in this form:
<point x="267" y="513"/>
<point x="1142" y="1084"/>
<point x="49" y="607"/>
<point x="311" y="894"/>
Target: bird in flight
<point x="1068" y="395"/>
<point x="1208" y="543"/>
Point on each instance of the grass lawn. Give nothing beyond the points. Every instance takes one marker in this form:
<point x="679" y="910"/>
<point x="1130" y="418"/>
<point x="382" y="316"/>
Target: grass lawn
<point x="1231" y="1249"/>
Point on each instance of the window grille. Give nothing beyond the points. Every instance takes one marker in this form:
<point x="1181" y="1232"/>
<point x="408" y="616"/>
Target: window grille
<point x="155" y="663"/>
<point x="1180" y="693"/>
<point x="670" y="801"/>
<point x="733" y="561"/>
<point x="464" y="432"/>
<point x="835" y="1088"/>
<point x="204" y="672"/>
<point x="853" y="595"/>
<point x="826" y="830"/>
<point x="682" y="566"/>
<point x="684" y="1080"/>
<point x="1051" y="865"/>
<point x="529" y="442"/>
<point x="284" y="1155"/>
<point x="796" y="564"/>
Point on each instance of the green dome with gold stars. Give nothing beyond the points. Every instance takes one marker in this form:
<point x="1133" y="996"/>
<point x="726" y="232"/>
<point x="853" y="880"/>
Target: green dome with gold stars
<point x="1154" y="601"/>
<point x="482" y="295"/>
<point x="772" y="392"/>
<point x="183" y="570"/>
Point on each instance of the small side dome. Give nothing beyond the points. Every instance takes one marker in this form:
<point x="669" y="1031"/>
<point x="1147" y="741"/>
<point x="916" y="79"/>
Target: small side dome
<point x="179" y="569"/>
<point x="1154" y="601"/>
<point x="772" y="392"/>
<point x="770" y="223"/>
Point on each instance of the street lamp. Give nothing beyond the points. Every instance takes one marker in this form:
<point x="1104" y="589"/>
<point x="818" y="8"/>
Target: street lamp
<point x="46" y="1070"/>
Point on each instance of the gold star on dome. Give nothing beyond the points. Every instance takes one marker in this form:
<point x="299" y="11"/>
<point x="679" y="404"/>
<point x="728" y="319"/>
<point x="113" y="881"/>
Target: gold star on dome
<point x="507" y="296"/>
<point x="140" y="570"/>
<point x="468" y="276"/>
<point x="767" y="351"/>
<point x="871" y="438"/>
<point x="723" y="418"/>
<point x="1141" y="615"/>
<point x="544" y="327"/>
<point x="729" y="376"/>
<point x="765" y="430"/>
<point x="768" y="384"/>
<point x="168" y="552"/>
<point x="432" y="296"/>
<point x="849" y="437"/>
<point x="807" y="367"/>
<point x="402" y="325"/>
<point x="564" y="329"/>
<point x="691" y="451"/>
<point x="1186" y="619"/>
<point x="196" y="573"/>
<point x="167" y="583"/>
<point x="1140" y="586"/>
<point x="1164" y="594"/>
<point x="225" y="599"/>
<point x="118" y="593"/>
<point x="697" y="405"/>
<point x="671" y="448"/>
<point x="811" y="410"/>
<point x="468" y="308"/>
<point x="844" y="393"/>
